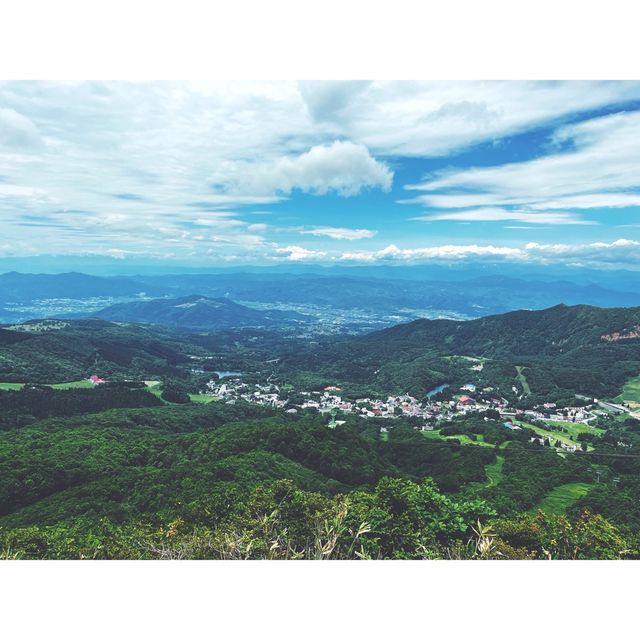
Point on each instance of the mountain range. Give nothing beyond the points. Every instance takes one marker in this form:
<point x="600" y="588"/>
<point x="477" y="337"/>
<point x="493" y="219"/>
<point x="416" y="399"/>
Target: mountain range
<point x="386" y="299"/>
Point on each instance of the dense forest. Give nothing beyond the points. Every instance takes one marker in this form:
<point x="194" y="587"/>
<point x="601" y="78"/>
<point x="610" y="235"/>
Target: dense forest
<point x="241" y="481"/>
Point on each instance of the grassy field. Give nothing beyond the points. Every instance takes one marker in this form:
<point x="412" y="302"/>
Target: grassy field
<point x="560" y="498"/>
<point x="78" y="384"/>
<point x="153" y="386"/>
<point x="575" y="428"/>
<point x="630" y="391"/>
<point x="494" y="471"/>
<point x="11" y="386"/>
<point x="522" y="380"/>
<point x="554" y="435"/>
<point x="463" y="438"/>
<point x="202" y="398"/>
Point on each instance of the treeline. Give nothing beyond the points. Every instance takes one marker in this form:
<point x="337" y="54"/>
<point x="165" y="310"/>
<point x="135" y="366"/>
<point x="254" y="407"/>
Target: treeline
<point x="31" y="403"/>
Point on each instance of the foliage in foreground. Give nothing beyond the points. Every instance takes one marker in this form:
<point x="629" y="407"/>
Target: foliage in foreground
<point x="400" y="519"/>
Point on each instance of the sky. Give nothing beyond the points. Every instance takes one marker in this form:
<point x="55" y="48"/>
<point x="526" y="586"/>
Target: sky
<point x="341" y="173"/>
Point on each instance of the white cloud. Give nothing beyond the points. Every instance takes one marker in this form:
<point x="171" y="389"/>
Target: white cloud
<point x="592" y="201"/>
<point x="599" y="169"/>
<point x="392" y="253"/>
<point x="438" y="118"/>
<point x="342" y="166"/>
<point x="296" y="253"/>
<point x="490" y="214"/>
<point x="17" y="131"/>
<point x="339" y="233"/>
<point x="621" y="253"/>
<point x="140" y="166"/>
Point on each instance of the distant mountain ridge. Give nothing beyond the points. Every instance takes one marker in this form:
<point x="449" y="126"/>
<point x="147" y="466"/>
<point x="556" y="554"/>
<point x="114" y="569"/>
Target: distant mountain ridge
<point x="25" y="287"/>
<point x="25" y="296"/>
<point x="196" y="312"/>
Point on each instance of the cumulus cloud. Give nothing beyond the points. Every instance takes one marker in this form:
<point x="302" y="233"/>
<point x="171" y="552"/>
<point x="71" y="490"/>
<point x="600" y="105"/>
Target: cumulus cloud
<point x="392" y="253"/>
<point x="339" y="233"/>
<point x="619" y="253"/>
<point x="343" y="167"/>
<point x="298" y="254"/>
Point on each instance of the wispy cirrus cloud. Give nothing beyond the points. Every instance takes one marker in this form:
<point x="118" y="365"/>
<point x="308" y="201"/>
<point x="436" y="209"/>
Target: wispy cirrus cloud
<point x="427" y="119"/>
<point x="594" y="164"/>
<point x="494" y="214"/>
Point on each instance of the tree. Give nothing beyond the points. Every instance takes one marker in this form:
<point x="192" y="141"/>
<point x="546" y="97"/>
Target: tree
<point x="173" y="394"/>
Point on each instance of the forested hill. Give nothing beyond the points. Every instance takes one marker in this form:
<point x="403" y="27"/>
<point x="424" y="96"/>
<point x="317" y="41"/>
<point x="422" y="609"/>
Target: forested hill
<point x="577" y="349"/>
<point x="51" y="351"/>
<point x="552" y="331"/>
<point x="198" y="313"/>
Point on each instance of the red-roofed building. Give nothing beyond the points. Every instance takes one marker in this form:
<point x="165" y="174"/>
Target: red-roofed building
<point x="466" y="401"/>
<point x="96" y="380"/>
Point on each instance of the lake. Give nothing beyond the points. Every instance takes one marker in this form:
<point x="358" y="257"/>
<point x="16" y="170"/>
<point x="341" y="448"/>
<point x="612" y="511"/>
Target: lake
<point x="436" y="390"/>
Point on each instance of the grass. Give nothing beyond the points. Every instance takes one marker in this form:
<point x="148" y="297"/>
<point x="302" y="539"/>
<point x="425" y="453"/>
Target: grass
<point x="560" y="498"/>
<point x="554" y="435"/>
<point x="11" y="386"/>
<point x="494" y="472"/>
<point x="201" y="398"/>
<point x="630" y="391"/>
<point x="463" y="438"/>
<point x="522" y="379"/>
<point x="575" y="428"/>
<point x="77" y="384"/>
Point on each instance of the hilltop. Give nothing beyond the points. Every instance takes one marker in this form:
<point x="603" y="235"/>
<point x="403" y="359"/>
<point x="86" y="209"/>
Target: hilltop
<point x="196" y="312"/>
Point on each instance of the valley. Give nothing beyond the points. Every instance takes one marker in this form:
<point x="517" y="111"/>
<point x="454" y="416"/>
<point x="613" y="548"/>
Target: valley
<point x="152" y="412"/>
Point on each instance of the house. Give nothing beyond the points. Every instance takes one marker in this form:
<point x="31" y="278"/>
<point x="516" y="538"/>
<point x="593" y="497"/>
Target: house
<point x="94" y="379"/>
<point x="466" y="401"/>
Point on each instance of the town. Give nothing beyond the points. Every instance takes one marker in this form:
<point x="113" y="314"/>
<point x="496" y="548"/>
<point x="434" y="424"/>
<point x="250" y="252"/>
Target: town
<point x="426" y="414"/>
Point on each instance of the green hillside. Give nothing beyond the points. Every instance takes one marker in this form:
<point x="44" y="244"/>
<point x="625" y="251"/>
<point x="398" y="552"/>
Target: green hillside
<point x="578" y="349"/>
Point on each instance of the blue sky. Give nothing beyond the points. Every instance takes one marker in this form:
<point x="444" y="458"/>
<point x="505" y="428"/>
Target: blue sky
<point x="213" y="174"/>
